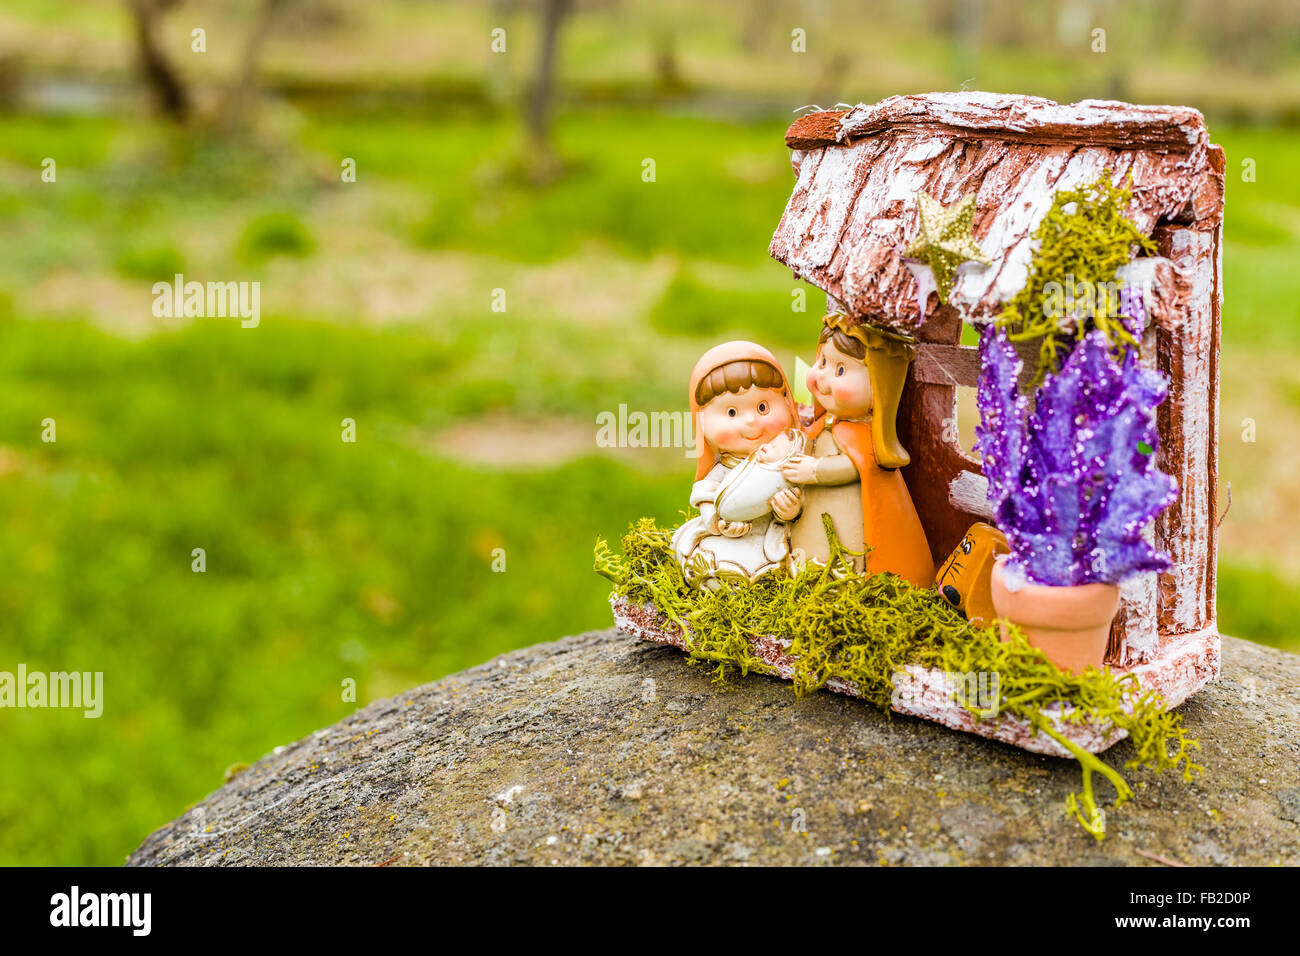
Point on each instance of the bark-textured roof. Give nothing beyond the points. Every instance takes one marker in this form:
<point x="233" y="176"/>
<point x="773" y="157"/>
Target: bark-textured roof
<point x="853" y="209"/>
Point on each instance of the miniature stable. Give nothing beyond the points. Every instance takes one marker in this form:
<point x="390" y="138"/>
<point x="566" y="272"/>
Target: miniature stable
<point x="917" y="216"/>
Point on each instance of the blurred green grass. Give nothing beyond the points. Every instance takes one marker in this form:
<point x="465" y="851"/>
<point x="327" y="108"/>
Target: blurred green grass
<point x="325" y="560"/>
<point x="329" y="560"/>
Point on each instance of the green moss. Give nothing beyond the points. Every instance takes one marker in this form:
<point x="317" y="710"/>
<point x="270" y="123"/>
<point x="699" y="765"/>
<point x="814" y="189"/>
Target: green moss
<point x="866" y="630"/>
<point x="1081" y="243"/>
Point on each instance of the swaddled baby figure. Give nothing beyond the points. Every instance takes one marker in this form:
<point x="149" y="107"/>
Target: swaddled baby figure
<point x="747" y="491"/>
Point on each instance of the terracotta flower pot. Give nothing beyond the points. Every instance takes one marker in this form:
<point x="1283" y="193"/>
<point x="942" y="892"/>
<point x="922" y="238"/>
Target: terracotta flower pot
<point x="1071" y="624"/>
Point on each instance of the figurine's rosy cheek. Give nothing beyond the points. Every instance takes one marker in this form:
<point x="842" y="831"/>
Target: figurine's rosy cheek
<point x="726" y="432"/>
<point x="720" y="434"/>
<point x="844" y="393"/>
<point x="852" y="394"/>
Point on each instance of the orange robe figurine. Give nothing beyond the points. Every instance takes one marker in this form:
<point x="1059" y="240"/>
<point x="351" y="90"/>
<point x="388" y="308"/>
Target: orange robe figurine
<point x="852" y="473"/>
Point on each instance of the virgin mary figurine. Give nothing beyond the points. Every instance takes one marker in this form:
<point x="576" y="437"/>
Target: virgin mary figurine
<point x="743" y="414"/>
<point x="852" y="471"/>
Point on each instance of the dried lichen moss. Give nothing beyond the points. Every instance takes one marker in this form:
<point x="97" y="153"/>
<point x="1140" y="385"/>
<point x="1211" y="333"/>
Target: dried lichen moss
<point x="1082" y="242"/>
<point x="865" y="630"/>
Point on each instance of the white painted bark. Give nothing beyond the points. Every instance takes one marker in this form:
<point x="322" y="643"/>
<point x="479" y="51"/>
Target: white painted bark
<point x="853" y="211"/>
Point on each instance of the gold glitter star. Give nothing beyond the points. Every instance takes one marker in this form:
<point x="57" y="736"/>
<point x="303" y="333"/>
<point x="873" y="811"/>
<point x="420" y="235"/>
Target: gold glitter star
<point x="945" y="240"/>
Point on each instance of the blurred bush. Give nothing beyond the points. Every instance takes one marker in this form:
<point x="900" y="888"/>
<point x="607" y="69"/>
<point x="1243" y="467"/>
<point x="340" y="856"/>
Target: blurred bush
<point x="271" y="234"/>
<point x="149" y="260"/>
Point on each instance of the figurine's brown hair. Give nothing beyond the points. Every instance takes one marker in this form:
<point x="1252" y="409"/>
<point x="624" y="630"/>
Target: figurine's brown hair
<point x="848" y="344"/>
<point x="736" y="377"/>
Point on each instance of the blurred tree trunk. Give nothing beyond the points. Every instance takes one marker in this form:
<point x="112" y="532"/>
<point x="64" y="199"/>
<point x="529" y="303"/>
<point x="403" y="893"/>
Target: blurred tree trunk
<point x="239" y="93"/>
<point x="500" y="77"/>
<point x="538" y="118"/>
<point x="164" y="83"/>
<point x="759" y="15"/>
<point x="668" y="78"/>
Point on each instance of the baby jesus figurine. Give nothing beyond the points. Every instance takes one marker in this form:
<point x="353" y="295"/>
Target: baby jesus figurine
<point x="748" y="491"/>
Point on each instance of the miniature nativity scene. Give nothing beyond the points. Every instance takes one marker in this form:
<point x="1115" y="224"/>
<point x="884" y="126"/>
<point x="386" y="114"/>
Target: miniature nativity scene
<point x="1051" y="588"/>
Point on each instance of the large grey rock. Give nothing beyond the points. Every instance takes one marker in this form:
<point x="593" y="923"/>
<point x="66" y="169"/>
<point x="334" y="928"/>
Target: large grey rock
<point x="602" y="749"/>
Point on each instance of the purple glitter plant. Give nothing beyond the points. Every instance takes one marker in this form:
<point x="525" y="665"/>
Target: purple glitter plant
<point x="1073" y="483"/>
<point x="1133" y="309"/>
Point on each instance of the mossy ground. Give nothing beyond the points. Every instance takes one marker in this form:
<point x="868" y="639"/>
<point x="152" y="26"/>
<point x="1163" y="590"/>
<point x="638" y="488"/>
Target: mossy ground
<point x="866" y="630"/>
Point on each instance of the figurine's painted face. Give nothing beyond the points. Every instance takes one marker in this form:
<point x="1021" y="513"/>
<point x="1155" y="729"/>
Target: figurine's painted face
<point x="739" y="422"/>
<point x="840" y="382"/>
<point x="777" y="449"/>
